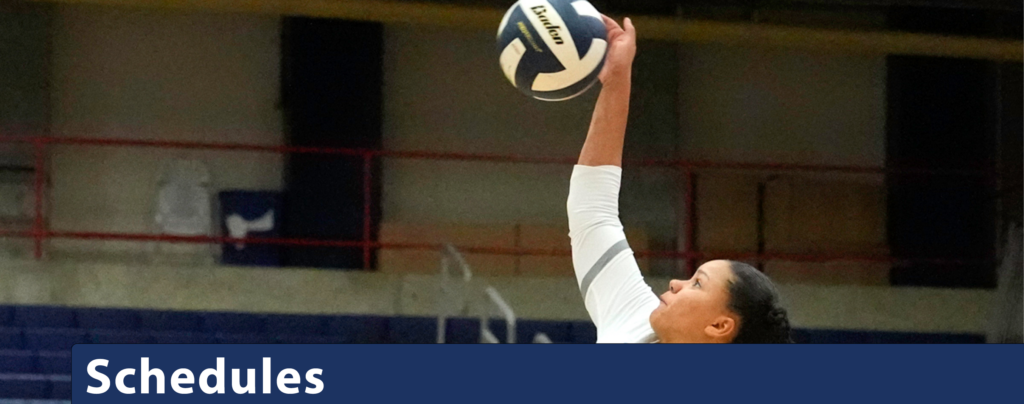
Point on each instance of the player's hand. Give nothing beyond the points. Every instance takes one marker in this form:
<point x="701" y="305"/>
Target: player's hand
<point x="618" y="64"/>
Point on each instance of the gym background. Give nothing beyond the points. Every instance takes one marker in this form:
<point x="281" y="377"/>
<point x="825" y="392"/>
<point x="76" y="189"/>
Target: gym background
<point x="865" y="154"/>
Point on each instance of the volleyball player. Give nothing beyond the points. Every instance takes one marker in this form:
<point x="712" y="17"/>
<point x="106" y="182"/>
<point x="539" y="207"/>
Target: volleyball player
<point x="724" y="302"/>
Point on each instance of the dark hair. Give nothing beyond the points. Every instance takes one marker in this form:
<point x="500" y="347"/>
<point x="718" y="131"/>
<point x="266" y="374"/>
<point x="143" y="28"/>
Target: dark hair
<point x="754" y="298"/>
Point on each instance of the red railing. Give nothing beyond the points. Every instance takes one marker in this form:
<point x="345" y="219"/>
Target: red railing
<point x="688" y="169"/>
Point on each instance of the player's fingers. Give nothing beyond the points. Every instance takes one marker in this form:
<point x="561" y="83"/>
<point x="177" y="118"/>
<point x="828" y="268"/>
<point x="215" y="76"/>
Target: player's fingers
<point x="630" y="29"/>
<point x="609" y="23"/>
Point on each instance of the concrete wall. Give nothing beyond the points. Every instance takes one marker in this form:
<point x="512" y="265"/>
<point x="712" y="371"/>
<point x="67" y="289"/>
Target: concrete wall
<point x="133" y="74"/>
<point x="758" y="106"/>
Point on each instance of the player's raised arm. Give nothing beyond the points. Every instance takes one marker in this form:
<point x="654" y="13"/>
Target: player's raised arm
<point x="613" y="290"/>
<point x="608" y="126"/>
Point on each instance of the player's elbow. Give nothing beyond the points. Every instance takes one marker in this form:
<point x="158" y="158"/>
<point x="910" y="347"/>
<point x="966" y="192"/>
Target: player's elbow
<point x="585" y="218"/>
<point x="579" y="214"/>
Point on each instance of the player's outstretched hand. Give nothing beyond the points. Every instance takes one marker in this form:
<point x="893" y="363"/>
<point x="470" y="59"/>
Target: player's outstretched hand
<point x="621" y="50"/>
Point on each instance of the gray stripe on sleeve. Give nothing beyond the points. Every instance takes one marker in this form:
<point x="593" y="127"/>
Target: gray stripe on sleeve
<point x="600" y="264"/>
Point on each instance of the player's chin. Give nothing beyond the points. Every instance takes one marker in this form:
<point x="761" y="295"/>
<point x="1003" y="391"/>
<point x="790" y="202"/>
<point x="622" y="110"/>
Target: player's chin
<point x="659" y="311"/>
<point x="657" y="318"/>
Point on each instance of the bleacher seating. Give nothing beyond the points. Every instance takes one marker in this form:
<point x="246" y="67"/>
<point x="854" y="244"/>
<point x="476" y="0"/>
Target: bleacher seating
<point x="36" y="341"/>
<point x="35" y="386"/>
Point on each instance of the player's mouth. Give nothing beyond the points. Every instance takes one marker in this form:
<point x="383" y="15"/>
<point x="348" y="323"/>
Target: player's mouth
<point x="663" y="301"/>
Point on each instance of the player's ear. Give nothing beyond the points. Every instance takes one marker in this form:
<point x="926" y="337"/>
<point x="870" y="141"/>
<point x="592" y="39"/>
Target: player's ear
<point x="722" y="328"/>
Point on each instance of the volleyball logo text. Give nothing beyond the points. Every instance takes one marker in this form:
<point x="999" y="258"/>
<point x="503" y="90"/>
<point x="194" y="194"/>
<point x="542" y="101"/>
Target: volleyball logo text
<point x="553" y="29"/>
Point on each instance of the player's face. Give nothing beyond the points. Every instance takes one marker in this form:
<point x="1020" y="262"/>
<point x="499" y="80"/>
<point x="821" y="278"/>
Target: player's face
<point x="690" y="307"/>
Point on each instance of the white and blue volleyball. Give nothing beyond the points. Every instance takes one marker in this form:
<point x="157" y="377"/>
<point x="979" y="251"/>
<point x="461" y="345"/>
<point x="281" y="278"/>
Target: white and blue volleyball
<point x="552" y="50"/>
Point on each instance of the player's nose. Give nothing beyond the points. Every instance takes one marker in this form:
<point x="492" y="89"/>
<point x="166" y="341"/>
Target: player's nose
<point x="675" y="285"/>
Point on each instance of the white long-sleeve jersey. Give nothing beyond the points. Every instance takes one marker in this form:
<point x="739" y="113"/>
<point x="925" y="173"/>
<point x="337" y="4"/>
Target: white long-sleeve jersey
<point x="614" y="292"/>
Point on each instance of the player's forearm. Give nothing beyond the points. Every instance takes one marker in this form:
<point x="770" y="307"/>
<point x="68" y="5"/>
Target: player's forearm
<point x="608" y="126"/>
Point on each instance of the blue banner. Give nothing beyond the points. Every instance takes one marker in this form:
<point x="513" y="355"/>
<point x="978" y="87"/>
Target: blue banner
<point x="544" y="373"/>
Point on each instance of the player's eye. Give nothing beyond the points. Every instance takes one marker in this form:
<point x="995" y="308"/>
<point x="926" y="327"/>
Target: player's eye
<point x="696" y="284"/>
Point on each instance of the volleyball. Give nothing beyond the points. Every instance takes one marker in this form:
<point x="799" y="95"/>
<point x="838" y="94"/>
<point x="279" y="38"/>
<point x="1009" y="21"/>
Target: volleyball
<point x="552" y="50"/>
